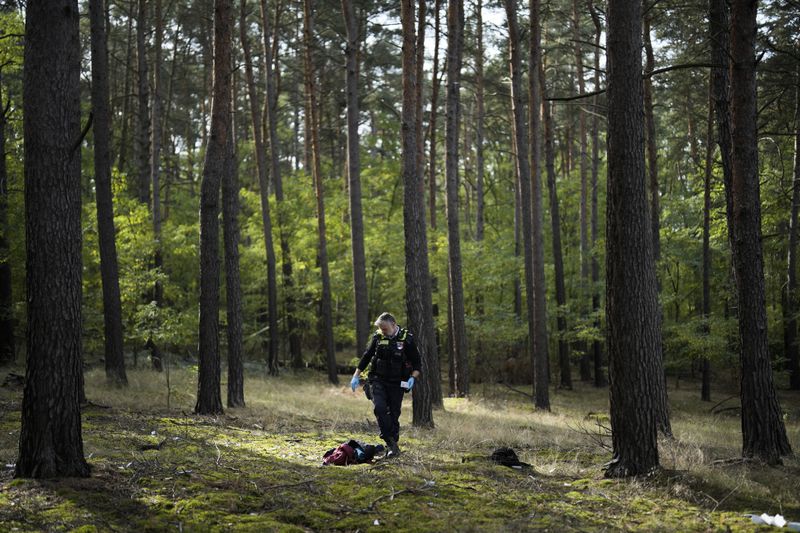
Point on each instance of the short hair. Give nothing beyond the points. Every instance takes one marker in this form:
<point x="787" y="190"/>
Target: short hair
<point x="384" y="318"/>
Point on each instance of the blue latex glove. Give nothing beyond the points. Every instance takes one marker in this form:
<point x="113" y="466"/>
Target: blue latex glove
<point x="411" y="383"/>
<point x="354" y="382"/>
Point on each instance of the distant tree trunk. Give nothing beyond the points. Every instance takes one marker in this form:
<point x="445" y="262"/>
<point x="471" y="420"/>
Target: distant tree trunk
<point x="790" y="302"/>
<point x="763" y="431"/>
<point x="522" y="160"/>
<point x="155" y="171"/>
<point x="458" y="340"/>
<point x="586" y="358"/>
<point x="109" y="270"/>
<point x="126" y="96"/>
<point x="655" y="209"/>
<point x="7" y="341"/>
<point x="435" y="79"/>
<point x="263" y="184"/>
<point x="555" y="220"/>
<point x="230" y="230"/>
<point x="326" y="325"/>
<point x="419" y="306"/>
<point x="479" y="124"/>
<point x="292" y="323"/>
<point x="541" y="356"/>
<point x="209" y="400"/>
<point x="50" y="442"/>
<point x="354" y="175"/>
<point x="705" y="393"/>
<point x="143" y="131"/>
<point x="650" y="135"/>
<point x="597" y="347"/>
<point x="634" y="338"/>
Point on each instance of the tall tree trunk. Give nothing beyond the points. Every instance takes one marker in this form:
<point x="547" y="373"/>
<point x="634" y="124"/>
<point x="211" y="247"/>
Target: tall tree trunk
<point x="720" y="53"/>
<point x="790" y="296"/>
<point x="7" y="340"/>
<point x="435" y="79"/>
<point x="50" y="442"/>
<point x="419" y="306"/>
<point x="109" y="270"/>
<point x="155" y="171"/>
<point x="479" y="124"/>
<point x="263" y="184"/>
<point x="230" y="230"/>
<point x="292" y="323"/>
<point x="354" y="175"/>
<point x="215" y="165"/>
<point x="326" y="325"/>
<point x="634" y="337"/>
<point x="458" y="346"/>
<point x="597" y="347"/>
<point x="143" y="124"/>
<point x="763" y="431"/>
<point x="541" y="356"/>
<point x="705" y="393"/>
<point x="523" y="162"/>
<point x="555" y="220"/>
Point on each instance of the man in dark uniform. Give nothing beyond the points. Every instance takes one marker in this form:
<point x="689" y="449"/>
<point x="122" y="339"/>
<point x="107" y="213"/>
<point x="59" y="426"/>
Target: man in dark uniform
<point x="395" y="366"/>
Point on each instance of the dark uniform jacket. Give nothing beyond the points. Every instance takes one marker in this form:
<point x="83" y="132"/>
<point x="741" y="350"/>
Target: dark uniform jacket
<point x="393" y="358"/>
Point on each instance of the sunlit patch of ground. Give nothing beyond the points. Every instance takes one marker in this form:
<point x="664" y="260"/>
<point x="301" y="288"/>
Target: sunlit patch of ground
<point x="155" y="466"/>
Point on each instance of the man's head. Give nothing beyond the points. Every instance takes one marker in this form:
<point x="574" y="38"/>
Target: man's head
<point x="387" y="324"/>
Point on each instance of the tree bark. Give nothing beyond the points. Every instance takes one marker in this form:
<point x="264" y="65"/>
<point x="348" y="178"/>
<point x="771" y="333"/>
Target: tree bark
<point x="597" y="347"/>
<point x="109" y="270"/>
<point x="541" y="356"/>
<point x="143" y="131"/>
<point x="650" y="135"/>
<point x="790" y="301"/>
<point x="417" y="275"/>
<point x="209" y="400"/>
<point x="634" y="338"/>
<point x="292" y="323"/>
<point x="263" y="184"/>
<point x="233" y="286"/>
<point x="354" y="175"/>
<point x="763" y="431"/>
<point x="326" y="318"/>
<point x="458" y="340"/>
<point x="555" y="220"/>
<point x="50" y="442"/>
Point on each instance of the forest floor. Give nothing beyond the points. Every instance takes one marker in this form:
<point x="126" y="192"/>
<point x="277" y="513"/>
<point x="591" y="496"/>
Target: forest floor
<point x="258" y="468"/>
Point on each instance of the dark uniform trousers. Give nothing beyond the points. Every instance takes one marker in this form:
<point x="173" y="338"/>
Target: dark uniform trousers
<point x="388" y="399"/>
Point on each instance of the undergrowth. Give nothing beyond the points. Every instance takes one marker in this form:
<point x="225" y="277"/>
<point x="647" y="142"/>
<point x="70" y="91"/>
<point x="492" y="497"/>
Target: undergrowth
<point x="158" y="467"/>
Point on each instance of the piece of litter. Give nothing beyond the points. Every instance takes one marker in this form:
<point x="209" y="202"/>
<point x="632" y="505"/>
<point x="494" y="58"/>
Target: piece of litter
<point x="777" y="521"/>
<point x="153" y="432"/>
<point x="10" y="465"/>
<point x="376" y="523"/>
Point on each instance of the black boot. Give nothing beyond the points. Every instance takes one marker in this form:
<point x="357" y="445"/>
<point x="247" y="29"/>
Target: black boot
<point x="392" y="449"/>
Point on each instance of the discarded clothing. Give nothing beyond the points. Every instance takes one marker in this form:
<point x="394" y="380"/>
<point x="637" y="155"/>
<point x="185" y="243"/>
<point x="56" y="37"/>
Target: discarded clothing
<point x="351" y="452"/>
<point x="508" y="457"/>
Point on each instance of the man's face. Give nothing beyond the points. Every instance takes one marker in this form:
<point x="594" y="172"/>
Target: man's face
<point x="387" y="328"/>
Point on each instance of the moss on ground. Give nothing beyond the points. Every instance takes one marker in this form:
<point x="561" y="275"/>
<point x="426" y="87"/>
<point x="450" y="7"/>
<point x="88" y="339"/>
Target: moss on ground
<point x="155" y="469"/>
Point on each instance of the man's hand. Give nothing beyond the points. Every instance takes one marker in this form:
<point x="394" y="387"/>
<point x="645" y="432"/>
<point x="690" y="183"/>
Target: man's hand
<point x="410" y="383"/>
<point x="355" y="382"/>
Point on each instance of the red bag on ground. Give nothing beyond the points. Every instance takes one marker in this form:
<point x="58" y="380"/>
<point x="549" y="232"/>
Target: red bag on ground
<point x="342" y="455"/>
